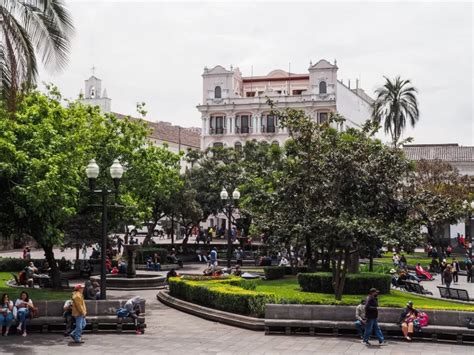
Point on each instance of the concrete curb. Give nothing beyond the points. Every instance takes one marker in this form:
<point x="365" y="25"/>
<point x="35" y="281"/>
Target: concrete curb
<point x="235" y="320"/>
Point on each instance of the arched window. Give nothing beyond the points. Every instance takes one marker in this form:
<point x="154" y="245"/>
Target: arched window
<point x="238" y="146"/>
<point x="217" y="92"/>
<point x="218" y="145"/>
<point x="322" y="87"/>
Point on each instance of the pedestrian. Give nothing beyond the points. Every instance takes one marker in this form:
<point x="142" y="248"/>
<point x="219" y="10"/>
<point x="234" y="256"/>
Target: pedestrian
<point x="469" y="269"/>
<point x="214" y="258"/>
<point x="360" y="318"/>
<point x="372" y="313"/>
<point x="119" y="245"/>
<point x="442" y="267"/>
<point x="448" y="275"/>
<point x="456" y="270"/>
<point x="79" y="313"/>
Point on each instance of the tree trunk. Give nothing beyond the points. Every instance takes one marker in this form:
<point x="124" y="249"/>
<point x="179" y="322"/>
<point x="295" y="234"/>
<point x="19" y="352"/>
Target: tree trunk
<point x="172" y="230"/>
<point x="149" y="234"/>
<point x="309" y="259"/>
<point x="371" y="262"/>
<point x="77" y="252"/>
<point x="55" y="274"/>
<point x="354" y="263"/>
<point x="340" y="281"/>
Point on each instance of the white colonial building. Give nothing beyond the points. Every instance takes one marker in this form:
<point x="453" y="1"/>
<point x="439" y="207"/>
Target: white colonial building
<point x="234" y="108"/>
<point x="94" y="96"/>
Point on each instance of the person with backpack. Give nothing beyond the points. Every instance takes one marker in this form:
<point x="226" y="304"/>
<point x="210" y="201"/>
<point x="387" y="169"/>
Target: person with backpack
<point x="407" y="318"/>
<point x="371" y="314"/>
<point x="132" y="309"/>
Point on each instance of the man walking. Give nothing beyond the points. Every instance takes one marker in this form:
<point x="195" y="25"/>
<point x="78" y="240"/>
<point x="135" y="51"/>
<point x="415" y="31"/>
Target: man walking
<point x="79" y="313"/>
<point x="371" y="314"/>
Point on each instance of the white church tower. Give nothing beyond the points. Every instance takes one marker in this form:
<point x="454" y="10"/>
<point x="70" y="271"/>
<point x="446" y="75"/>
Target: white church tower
<point x="94" y="95"/>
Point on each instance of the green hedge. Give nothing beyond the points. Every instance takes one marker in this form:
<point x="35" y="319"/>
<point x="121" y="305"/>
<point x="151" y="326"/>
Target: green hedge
<point x="222" y="295"/>
<point x="355" y="284"/>
<point x="17" y="264"/>
<point x="144" y="253"/>
<point x="274" y="272"/>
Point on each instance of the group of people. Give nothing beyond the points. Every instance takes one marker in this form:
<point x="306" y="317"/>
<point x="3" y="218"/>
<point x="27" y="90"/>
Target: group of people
<point x="367" y="319"/>
<point x="75" y="312"/>
<point x="18" y="311"/>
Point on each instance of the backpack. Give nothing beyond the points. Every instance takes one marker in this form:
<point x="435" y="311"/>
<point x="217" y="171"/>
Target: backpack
<point x="122" y="313"/>
<point x="422" y="320"/>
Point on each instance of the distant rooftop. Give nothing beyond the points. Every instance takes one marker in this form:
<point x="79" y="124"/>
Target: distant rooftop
<point x="166" y="132"/>
<point x="450" y="152"/>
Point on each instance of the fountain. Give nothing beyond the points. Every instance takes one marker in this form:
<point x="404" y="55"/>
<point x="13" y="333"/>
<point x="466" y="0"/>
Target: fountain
<point x="132" y="280"/>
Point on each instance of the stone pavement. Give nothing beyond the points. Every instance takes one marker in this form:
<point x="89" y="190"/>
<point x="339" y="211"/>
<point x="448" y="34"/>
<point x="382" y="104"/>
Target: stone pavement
<point x="462" y="284"/>
<point x="172" y="332"/>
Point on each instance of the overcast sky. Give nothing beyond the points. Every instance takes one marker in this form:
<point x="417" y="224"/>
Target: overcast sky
<point x="156" y="51"/>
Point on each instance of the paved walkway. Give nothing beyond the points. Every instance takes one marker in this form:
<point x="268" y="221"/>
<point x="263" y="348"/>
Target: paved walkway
<point x="462" y="284"/>
<point x="172" y="332"/>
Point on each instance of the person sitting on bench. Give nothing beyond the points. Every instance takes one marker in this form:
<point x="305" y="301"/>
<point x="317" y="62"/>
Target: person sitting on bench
<point x="173" y="259"/>
<point x="407" y="317"/>
<point x="420" y="272"/>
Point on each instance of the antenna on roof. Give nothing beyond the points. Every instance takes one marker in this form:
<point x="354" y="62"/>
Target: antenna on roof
<point x="93" y="69"/>
<point x="251" y="79"/>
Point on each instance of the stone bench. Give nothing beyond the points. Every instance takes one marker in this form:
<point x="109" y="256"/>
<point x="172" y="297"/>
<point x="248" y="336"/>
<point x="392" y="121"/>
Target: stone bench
<point x="339" y="320"/>
<point x="101" y="315"/>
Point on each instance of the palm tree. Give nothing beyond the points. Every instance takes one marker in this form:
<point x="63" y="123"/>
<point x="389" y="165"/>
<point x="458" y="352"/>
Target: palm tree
<point x="31" y="28"/>
<point x="395" y="104"/>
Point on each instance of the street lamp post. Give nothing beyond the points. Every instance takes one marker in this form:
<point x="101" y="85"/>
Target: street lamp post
<point x="469" y="225"/>
<point x="92" y="172"/>
<point x="229" y="207"/>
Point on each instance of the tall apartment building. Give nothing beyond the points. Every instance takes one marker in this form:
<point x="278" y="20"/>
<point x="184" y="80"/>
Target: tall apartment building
<point x="234" y="108"/>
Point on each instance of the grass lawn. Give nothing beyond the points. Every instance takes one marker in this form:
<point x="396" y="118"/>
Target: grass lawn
<point x="36" y="294"/>
<point x="289" y="290"/>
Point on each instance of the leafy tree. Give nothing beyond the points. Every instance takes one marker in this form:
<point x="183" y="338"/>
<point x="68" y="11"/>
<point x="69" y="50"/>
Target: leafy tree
<point x="44" y="148"/>
<point x="395" y="104"/>
<point x="437" y="191"/>
<point x="153" y="180"/>
<point x="337" y="191"/>
<point x="31" y="29"/>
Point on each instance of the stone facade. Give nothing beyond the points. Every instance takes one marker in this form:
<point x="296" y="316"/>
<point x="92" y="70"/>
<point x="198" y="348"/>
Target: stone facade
<point x="234" y="108"/>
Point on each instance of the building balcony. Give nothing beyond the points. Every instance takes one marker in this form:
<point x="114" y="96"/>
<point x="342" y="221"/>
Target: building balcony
<point x="268" y="129"/>
<point x="278" y="99"/>
<point x="217" y="131"/>
<point x="243" y="130"/>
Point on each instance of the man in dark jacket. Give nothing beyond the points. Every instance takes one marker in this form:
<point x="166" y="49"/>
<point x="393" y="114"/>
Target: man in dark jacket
<point x="371" y="314"/>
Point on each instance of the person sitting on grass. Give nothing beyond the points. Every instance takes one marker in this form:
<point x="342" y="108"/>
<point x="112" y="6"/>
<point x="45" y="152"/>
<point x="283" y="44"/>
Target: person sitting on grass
<point x="360" y="319"/>
<point x="171" y="273"/>
<point x="407" y="318"/>
<point x="24" y="306"/>
<point x="237" y="271"/>
<point x="6" y="314"/>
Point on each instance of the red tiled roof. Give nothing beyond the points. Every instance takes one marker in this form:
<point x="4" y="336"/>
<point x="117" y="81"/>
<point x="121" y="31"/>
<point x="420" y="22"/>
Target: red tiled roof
<point x="166" y="132"/>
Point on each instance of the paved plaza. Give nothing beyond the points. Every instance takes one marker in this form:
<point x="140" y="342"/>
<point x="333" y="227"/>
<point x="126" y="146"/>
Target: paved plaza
<point x="173" y="332"/>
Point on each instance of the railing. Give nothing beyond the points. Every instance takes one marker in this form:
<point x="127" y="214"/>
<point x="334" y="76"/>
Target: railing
<point x="279" y="99"/>
<point x="218" y="130"/>
<point x="243" y="130"/>
<point x="268" y="129"/>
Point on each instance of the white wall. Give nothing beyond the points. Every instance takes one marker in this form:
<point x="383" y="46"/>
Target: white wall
<point x="354" y="109"/>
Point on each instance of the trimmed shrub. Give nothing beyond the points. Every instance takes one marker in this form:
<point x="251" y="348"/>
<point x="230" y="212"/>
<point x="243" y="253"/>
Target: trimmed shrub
<point x="355" y="284"/>
<point x="17" y="264"/>
<point x="222" y="295"/>
<point x="275" y="272"/>
<point x="144" y="253"/>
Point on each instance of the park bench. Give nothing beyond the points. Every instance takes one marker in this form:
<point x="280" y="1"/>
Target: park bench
<point x="454" y="293"/>
<point x="339" y="320"/>
<point x="101" y="315"/>
<point x="415" y="287"/>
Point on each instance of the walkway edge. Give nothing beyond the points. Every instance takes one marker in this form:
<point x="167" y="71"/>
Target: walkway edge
<point x="235" y="320"/>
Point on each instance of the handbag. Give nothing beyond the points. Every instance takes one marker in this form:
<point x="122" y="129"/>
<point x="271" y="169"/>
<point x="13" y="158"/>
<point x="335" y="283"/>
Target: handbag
<point x="33" y="312"/>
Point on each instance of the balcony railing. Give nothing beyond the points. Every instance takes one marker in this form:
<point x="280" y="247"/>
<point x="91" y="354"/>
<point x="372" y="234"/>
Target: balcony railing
<point x="218" y="130"/>
<point x="243" y="130"/>
<point x="279" y="99"/>
<point x="268" y="129"/>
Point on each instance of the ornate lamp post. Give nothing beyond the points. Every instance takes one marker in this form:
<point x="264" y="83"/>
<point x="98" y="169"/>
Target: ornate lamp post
<point x="92" y="172"/>
<point x="230" y="204"/>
